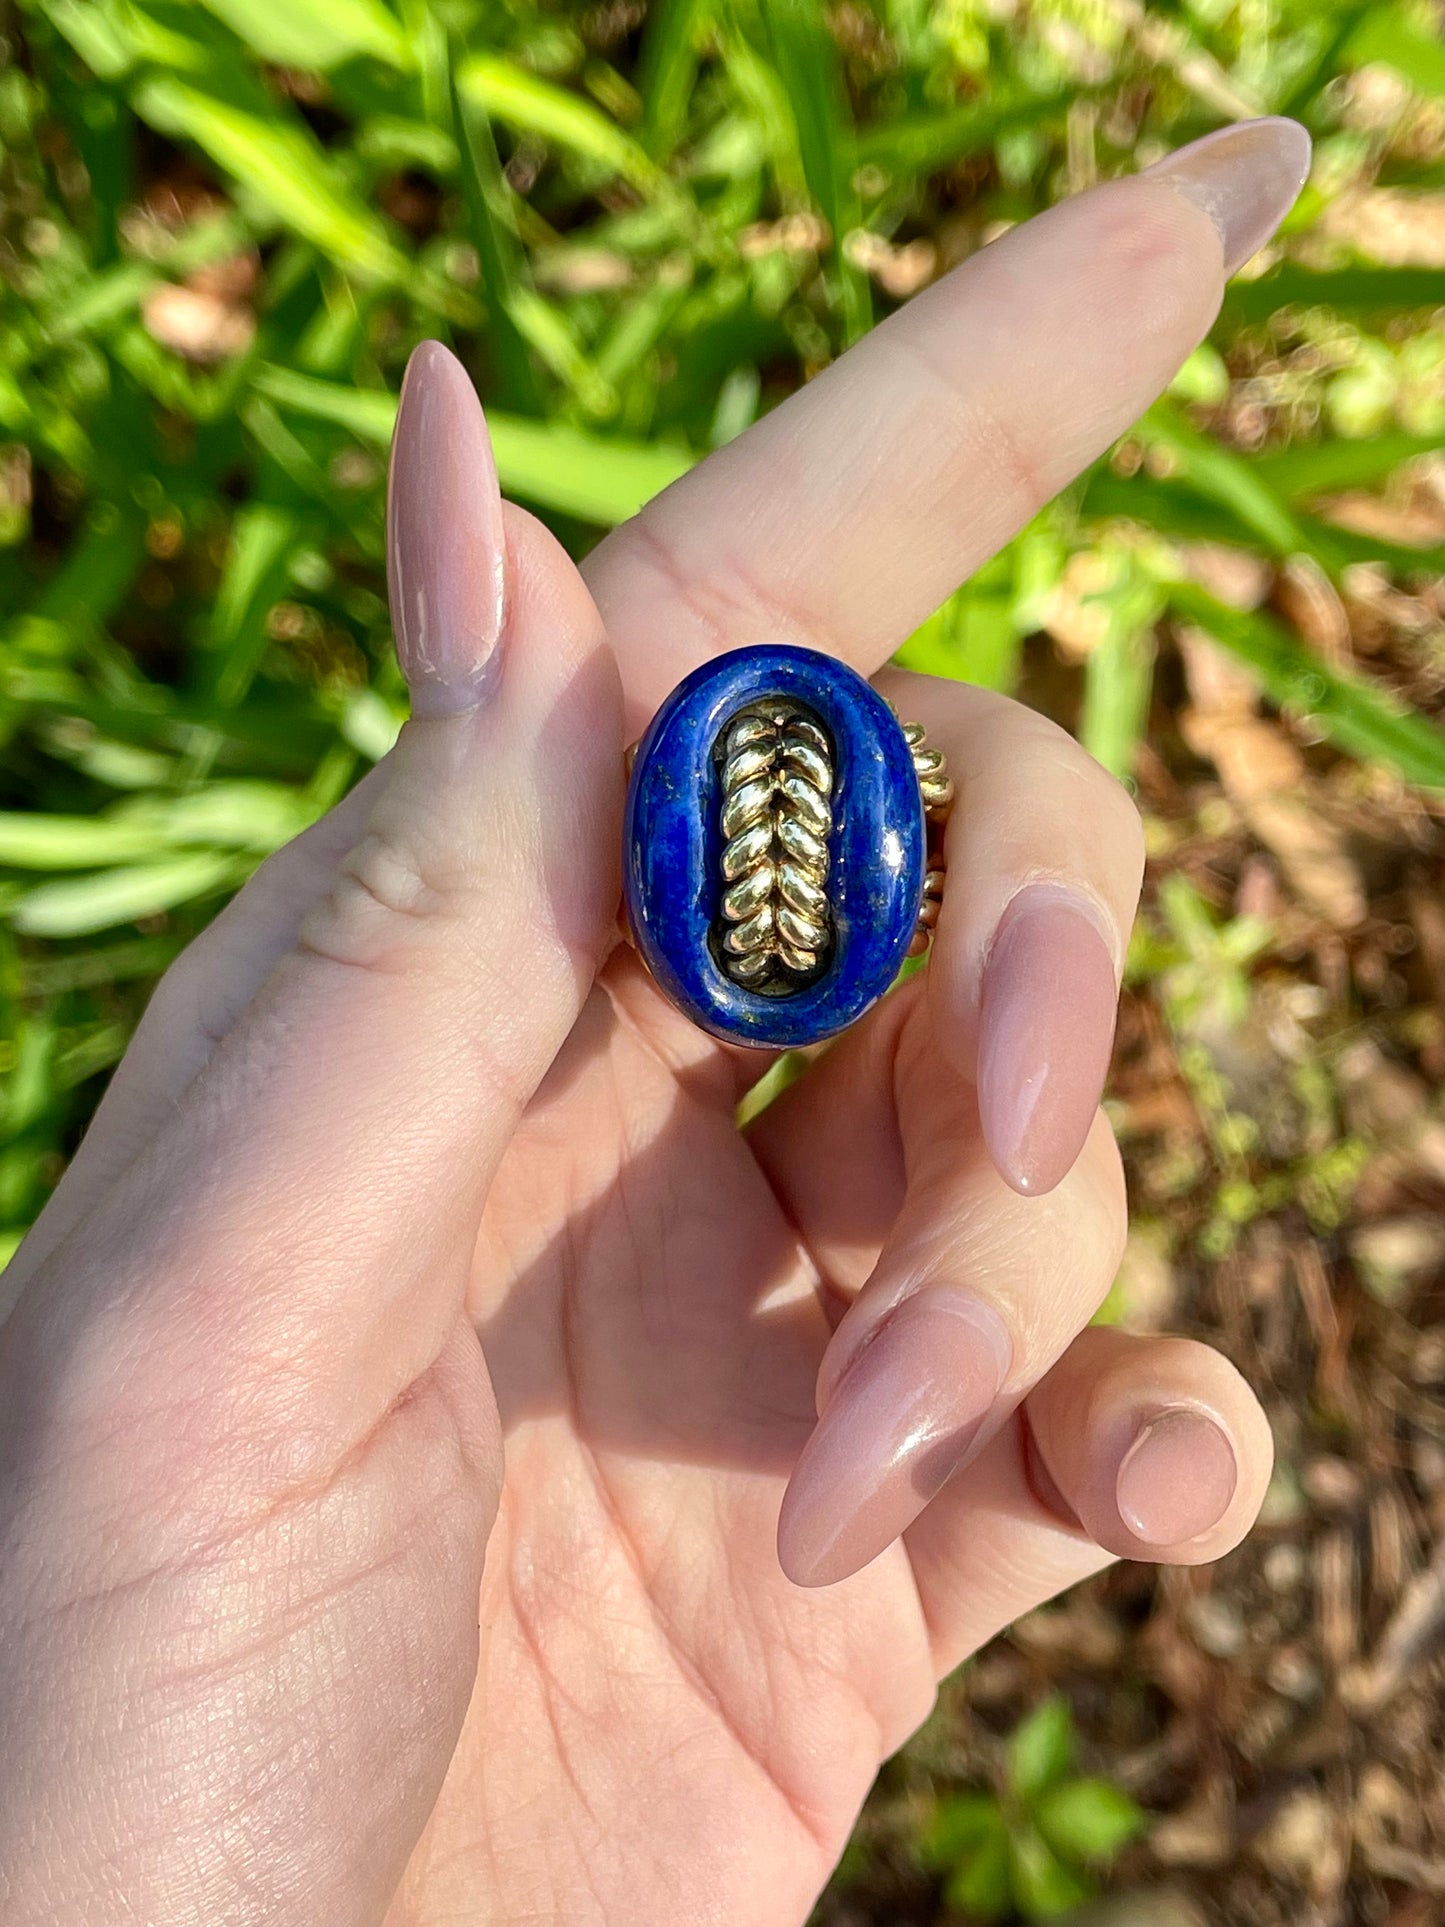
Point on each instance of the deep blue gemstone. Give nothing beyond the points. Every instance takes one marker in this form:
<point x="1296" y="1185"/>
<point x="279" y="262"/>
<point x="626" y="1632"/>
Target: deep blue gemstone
<point x="673" y="846"/>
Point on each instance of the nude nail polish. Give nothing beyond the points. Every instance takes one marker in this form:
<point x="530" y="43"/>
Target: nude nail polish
<point x="446" y="552"/>
<point x="1246" y="178"/>
<point x="1046" y="1028"/>
<point x="1177" y="1479"/>
<point x="911" y="1407"/>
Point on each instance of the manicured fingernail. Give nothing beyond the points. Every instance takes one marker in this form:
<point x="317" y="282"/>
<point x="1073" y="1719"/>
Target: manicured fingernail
<point x="1046" y="1028"/>
<point x="1177" y="1478"/>
<point x="445" y="548"/>
<point x="1246" y="178"/>
<point x="902" y="1419"/>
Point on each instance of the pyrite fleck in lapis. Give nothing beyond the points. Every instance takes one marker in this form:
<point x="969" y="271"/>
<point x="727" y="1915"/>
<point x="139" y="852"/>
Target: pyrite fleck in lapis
<point x="838" y="957"/>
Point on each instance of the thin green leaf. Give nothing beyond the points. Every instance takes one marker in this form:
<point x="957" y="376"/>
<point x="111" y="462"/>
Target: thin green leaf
<point x="27" y="1088"/>
<point x="92" y="29"/>
<point x="1348" y="291"/>
<point x="958" y="1824"/>
<point x="1041" y="1749"/>
<point x="551" y="335"/>
<point x="1355" y="715"/>
<point x="601" y="481"/>
<point x="316" y="33"/>
<point x="808" y="64"/>
<point x="1088" y="1820"/>
<point x="525" y="101"/>
<point x="1043" y="1887"/>
<point x="240" y="815"/>
<point x="367" y="413"/>
<point x="98" y="569"/>
<point x="667" y="69"/>
<point x="1118" y="683"/>
<point x="491" y="220"/>
<point x="235" y="815"/>
<point x="31" y="841"/>
<point x="263" y="537"/>
<point x="974" y="638"/>
<point x="280" y="161"/>
<point x="1224" y="477"/>
<point x="1318" y="468"/>
<point x="924" y="143"/>
<point x="979" y="1888"/>
<point x="76" y="907"/>
<point x="561" y="468"/>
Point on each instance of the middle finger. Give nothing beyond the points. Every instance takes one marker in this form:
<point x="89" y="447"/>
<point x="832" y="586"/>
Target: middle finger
<point x="847" y="515"/>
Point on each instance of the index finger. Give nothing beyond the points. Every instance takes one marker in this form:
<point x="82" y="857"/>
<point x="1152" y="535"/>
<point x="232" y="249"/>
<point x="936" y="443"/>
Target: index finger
<point x="849" y="513"/>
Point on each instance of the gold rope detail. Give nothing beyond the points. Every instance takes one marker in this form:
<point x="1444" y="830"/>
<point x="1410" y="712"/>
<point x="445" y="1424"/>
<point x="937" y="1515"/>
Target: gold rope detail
<point x="777" y="814"/>
<point x="936" y="786"/>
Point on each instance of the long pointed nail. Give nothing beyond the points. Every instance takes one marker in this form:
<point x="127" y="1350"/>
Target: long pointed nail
<point x="1177" y="1479"/>
<point x="1246" y="178"/>
<point x="1046" y="1028"/>
<point x="446" y="554"/>
<point x="904" y="1417"/>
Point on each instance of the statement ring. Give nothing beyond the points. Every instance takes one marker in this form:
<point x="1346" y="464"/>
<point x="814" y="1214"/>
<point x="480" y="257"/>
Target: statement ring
<point x="782" y="846"/>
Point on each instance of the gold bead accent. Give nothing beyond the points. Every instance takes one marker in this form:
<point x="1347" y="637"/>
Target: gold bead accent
<point x="936" y="787"/>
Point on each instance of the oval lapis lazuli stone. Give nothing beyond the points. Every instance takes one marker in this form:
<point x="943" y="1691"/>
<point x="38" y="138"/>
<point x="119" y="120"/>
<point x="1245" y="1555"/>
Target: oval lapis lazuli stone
<point x="673" y="846"/>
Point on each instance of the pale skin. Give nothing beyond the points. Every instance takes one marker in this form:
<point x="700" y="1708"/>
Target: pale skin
<point x="398" y="1397"/>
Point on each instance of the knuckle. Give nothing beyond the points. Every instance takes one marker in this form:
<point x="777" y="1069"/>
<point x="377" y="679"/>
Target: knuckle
<point x="1122" y="824"/>
<point x="387" y="896"/>
<point x="1087" y="787"/>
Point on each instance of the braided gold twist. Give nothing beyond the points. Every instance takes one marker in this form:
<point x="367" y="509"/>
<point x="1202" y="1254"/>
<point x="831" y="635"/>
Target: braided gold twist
<point x="936" y="787"/>
<point x="777" y="813"/>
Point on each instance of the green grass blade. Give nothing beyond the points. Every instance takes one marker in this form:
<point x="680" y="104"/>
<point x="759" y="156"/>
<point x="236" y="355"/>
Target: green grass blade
<point x="367" y="413"/>
<point x="316" y="33"/>
<point x="1118" y="684"/>
<point x="553" y="339"/>
<point x="75" y="907"/>
<point x="492" y="225"/>
<point x="526" y="102"/>
<point x="1353" y="714"/>
<point x="924" y="143"/>
<point x="1349" y="291"/>
<point x="279" y="160"/>
<point x="810" y="68"/>
<point x="1320" y="467"/>
<point x="1221" y="476"/>
<point x="97" y="571"/>
<point x="263" y="538"/>
<point x="667" y="70"/>
<point x="32" y="841"/>
<point x="973" y="638"/>
<point x="600" y="480"/>
<point x="96" y="35"/>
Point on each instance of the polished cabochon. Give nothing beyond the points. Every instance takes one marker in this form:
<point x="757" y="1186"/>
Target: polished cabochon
<point x="673" y="845"/>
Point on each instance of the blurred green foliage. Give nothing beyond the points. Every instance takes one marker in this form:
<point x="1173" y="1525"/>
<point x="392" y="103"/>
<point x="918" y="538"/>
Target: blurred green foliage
<point x="1033" y="1848"/>
<point x="223" y="226"/>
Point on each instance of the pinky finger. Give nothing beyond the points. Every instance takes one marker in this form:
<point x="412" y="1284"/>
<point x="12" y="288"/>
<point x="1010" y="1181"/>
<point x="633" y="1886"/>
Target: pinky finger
<point x="1141" y="1448"/>
<point x="1155" y="1446"/>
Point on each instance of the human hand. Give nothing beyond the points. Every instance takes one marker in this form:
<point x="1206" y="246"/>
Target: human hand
<point x="386" y="1107"/>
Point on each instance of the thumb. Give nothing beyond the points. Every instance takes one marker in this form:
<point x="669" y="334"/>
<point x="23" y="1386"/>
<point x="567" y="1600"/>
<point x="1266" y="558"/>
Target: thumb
<point x="257" y="1454"/>
<point x="348" y="1126"/>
